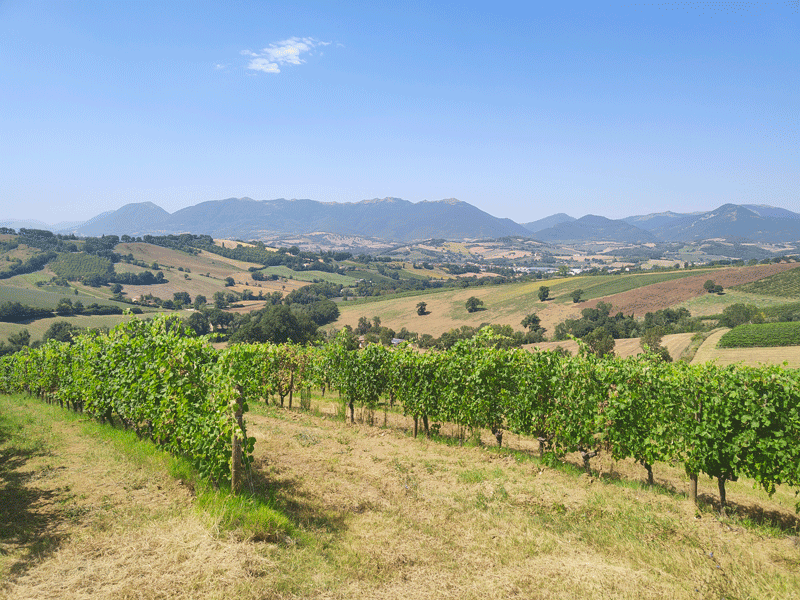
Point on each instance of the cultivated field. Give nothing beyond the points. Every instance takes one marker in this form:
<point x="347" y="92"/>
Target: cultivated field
<point x="205" y="262"/>
<point x="508" y="304"/>
<point x="753" y="357"/>
<point x="672" y="293"/>
<point x="207" y="276"/>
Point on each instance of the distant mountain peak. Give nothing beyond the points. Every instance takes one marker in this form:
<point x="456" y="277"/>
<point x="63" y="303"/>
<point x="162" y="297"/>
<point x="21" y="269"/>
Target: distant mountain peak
<point x="387" y="200"/>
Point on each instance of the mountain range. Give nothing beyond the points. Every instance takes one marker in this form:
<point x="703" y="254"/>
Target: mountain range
<point x="403" y="221"/>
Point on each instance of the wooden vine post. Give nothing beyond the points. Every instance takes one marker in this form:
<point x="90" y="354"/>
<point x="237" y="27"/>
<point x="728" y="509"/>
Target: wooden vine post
<point x="237" y="466"/>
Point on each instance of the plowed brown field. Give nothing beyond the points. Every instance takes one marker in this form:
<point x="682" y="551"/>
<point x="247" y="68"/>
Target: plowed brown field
<point x="669" y="293"/>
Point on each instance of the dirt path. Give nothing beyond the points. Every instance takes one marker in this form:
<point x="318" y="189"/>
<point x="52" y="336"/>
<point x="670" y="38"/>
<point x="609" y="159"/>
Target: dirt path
<point x="707" y="349"/>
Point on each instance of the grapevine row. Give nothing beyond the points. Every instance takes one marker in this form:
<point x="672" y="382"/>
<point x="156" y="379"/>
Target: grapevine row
<point x="154" y="377"/>
<point x="726" y="422"/>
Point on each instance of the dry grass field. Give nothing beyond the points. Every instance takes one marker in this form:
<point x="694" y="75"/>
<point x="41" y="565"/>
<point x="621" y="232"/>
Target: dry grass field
<point x="207" y="276"/>
<point x="676" y="344"/>
<point x="753" y="357"/>
<point x="205" y="262"/>
<point x="378" y="514"/>
<point x="509" y="304"/>
<point x="505" y="305"/>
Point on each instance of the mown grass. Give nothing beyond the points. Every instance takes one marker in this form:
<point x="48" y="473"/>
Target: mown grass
<point x="485" y="522"/>
<point x="712" y="305"/>
<point x="383" y="515"/>
<point x="249" y="515"/>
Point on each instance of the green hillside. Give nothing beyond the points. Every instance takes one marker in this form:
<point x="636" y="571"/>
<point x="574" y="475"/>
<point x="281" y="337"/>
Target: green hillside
<point x="786" y="285"/>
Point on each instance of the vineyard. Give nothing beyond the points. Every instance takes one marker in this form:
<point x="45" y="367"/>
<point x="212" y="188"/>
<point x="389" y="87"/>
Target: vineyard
<point x="762" y="335"/>
<point x="164" y="383"/>
<point x="355" y="507"/>
<point x="154" y="378"/>
<point x="79" y="266"/>
<point x="786" y="284"/>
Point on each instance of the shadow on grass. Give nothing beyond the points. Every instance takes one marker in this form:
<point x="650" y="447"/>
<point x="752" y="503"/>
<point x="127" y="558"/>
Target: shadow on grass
<point x="753" y="514"/>
<point x="284" y="494"/>
<point x="25" y="532"/>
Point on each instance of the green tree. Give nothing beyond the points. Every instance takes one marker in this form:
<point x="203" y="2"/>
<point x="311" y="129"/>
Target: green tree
<point x="229" y="282"/>
<point x="275" y="324"/>
<point x="363" y="326"/>
<point x="19" y="340"/>
<point x="600" y="342"/>
<point x="739" y="314"/>
<point x="531" y="322"/>
<point x="220" y="301"/>
<point x="651" y="341"/>
<point x="473" y="304"/>
<point x="422" y="308"/>
<point x="199" y="301"/>
<point x="64" y="307"/>
<point x="535" y="331"/>
<point x="61" y="331"/>
<point x="182" y="298"/>
<point x="544" y="293"/>
<point x="198" y="321"/>
<point x="576" y="296"/>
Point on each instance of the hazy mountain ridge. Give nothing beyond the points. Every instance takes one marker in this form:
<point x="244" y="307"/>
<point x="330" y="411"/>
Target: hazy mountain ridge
<point x="548" y="222"/>
<point x="396" y="219"/>
<point x="594" y="227"/>
<point x="733" y="221"/>
<point x="656" y="220"/>
<point x="245" y="218"/>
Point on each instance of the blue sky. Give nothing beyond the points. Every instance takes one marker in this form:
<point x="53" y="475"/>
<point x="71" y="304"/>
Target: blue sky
<point x="523" y="110"/>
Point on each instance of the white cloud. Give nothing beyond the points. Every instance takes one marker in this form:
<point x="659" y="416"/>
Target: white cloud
<point x="262" y="64"/>
<point x="286" y="52"/>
